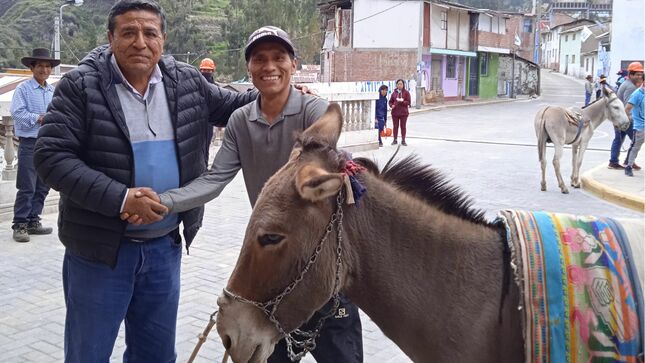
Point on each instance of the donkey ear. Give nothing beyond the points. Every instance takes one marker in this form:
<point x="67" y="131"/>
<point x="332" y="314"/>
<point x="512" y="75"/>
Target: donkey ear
<point x="328" y="127"/>
<point x="314" y="183"/>
<point x="607" y="91"/>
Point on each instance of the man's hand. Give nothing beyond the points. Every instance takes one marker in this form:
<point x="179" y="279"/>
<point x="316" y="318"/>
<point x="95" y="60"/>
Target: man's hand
<point x="305" y="90"/>
<point x="142" y="206"/>
<point x="40" y="120"/>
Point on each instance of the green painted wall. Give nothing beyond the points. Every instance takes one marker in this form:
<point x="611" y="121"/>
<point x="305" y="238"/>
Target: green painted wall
<point x="488" y="83"/>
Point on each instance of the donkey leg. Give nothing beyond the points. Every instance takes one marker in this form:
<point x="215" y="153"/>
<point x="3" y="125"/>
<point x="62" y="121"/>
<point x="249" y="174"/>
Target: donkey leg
<point x="574" y="162"/>
<point x="556" y="166"/>
<point x="577" y="165"/>
<point x="543" y="167"/>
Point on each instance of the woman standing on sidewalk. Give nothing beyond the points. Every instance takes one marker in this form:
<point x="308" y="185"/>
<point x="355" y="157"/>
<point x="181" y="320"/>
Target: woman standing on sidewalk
<point x="399" y="102"/>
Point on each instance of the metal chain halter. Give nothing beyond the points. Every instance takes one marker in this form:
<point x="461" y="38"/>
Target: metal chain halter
<point x="302" y="340"/>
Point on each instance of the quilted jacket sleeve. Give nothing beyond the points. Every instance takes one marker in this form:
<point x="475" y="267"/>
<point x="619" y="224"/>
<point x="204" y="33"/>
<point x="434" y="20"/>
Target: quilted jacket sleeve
<point x="59" y="149"/>
<point x="222" y="102"/>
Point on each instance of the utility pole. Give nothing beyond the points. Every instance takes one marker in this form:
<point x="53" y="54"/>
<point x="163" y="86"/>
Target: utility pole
<point x="419" y="89"/>
<point x="538" y="48"/>
<point x="58" y="23"/>
<point x="513" y="75"/>
<point x="57" y="43"/>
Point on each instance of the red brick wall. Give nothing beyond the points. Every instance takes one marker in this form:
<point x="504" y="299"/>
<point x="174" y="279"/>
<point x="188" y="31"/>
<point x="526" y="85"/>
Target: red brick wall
<point x="488" y="39"/>
<point x="370" y="65"/>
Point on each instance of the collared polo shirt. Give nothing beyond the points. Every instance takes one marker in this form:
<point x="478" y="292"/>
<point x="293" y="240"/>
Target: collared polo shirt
<point x="252" y="144"/>
<point x="152" y="137"/>
<point x="30" y="100"/>
<point x="637" y="100"/>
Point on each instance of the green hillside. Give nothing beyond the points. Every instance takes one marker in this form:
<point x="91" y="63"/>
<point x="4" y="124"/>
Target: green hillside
<point x="196" y="29"/>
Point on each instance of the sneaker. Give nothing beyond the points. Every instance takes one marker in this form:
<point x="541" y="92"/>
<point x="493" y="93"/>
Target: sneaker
<point x="37" y="228"/>
<point x="20" y="233"/>
<point x="394" y="142"/>
<point x="404" y="143"/>
<point x="636" y="167"/>
<point x="615" y="166"/>
<point x="628" y="171"/>
<point x="380" y="144"/>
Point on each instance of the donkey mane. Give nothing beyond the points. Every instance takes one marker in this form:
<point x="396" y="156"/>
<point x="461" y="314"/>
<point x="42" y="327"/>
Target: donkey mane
<point x="412" y="176"/>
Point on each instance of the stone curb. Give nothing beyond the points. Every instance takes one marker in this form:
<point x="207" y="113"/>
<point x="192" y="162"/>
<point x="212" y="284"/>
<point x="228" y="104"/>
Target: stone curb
<point x="464" y="104"/>
<point x="611" y="194"/>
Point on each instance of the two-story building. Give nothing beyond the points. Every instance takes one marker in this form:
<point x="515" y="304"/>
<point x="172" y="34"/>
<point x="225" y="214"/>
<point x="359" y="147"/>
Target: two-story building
<point x="489" y="37"/>
<point x="595" y="50"/>
<point x="388" y="40"/>
<point x="551" y="41"/>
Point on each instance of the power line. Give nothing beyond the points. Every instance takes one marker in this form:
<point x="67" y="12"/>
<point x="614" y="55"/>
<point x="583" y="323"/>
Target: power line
<point x="380" y="12"/>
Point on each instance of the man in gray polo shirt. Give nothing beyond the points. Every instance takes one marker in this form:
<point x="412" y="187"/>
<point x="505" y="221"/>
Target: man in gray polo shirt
<point x="259" y="138"/>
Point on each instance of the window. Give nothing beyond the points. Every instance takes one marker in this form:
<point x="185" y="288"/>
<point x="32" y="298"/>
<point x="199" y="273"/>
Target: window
<point x="444" y="20"/>
<point x="587" y="65"/>
<point x="528" y="26"/>
<point x="451" y="67"/>
<point x="573" y="37"/>
<point x="566" y="38"/>
<point x="483" y="60"/>
<point x="573" y="59"/>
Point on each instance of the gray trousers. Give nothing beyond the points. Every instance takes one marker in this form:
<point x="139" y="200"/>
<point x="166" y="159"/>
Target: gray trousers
<point x="637" y="142"/>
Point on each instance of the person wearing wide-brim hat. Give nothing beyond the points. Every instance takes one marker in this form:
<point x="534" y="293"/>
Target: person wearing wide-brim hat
<point x="28" y="106"/>
<point x="588" y="88"/>
<point x="602" y="83"/>
<point x="39" y="55"/>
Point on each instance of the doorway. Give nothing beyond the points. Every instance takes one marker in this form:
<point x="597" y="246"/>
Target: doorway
<point x="473" y="77"/>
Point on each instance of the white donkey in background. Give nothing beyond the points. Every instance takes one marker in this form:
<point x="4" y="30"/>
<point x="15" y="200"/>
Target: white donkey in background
<point x="574" y="127"/>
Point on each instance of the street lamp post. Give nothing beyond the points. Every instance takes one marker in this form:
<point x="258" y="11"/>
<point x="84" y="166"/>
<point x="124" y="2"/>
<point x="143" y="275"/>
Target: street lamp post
<point x="58" y="24"/>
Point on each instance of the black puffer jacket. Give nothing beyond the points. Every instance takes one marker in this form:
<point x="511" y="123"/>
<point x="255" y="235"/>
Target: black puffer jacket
<point x="83" y="149"/>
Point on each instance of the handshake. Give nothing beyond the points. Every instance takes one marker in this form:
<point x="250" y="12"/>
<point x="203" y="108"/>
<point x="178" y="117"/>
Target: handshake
<point x="143" y="206"/>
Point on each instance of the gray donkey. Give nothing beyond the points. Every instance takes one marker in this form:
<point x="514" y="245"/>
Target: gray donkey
<point x="574" y="127"/>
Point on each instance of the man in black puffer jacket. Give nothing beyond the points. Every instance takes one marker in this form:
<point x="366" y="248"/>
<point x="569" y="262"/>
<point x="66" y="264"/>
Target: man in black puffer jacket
<point x="126" y="117"/>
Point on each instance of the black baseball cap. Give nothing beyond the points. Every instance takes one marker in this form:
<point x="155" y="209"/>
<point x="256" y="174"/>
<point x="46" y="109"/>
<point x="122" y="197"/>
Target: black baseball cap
<point x="268" y="33"/>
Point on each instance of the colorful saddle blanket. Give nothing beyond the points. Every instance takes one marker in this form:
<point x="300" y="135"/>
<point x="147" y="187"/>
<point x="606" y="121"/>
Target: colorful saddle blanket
<point x="581" y="298"/>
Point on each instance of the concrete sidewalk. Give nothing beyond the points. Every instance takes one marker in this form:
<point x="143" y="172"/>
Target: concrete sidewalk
<point x="614" y="186"/>
<point x="463" y="103"/>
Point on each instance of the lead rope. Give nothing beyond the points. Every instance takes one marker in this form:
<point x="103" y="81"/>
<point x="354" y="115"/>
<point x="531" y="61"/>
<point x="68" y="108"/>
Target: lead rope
<point x="202" y="338"/>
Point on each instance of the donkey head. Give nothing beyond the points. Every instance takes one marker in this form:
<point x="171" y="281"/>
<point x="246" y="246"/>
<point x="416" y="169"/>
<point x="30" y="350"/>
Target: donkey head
<point x="615" y="110"/>
<point x="289" y="220"/>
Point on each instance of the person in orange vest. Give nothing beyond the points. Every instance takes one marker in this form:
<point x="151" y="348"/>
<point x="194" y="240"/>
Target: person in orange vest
<point x="207" y="68"/>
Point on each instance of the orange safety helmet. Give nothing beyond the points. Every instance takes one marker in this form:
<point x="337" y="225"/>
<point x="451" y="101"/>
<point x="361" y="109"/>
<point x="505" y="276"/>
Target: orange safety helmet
<point x="207" y="63"/>
<point x="635" y="67"/>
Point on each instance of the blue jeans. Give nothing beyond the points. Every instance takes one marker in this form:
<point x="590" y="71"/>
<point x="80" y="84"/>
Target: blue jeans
<point x="32" y="191"/>
<point x="619" y="137"/>
<point x="587" y="98"/>
<point x="143" y="289"/>
<point x="340" y="340"/>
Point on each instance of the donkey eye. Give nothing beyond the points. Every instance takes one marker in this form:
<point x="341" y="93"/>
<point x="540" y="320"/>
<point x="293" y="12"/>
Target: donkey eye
<point x="270" y="239"/>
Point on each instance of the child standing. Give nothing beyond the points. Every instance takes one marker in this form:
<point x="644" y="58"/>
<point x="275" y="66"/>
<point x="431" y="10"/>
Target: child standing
<point x="381" y="112"/>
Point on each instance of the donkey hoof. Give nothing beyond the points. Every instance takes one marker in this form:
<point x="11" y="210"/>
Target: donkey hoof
<point x="565" y="191"/>
<point x="543" y="187"/>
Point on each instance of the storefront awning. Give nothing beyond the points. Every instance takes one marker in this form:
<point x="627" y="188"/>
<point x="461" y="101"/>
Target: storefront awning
<point x="462" y="53"/>
<point x="493" y="50"/>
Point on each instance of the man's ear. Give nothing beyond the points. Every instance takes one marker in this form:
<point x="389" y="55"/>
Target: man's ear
<point x="294" y="65"/>
<point x="110" y="37"/>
